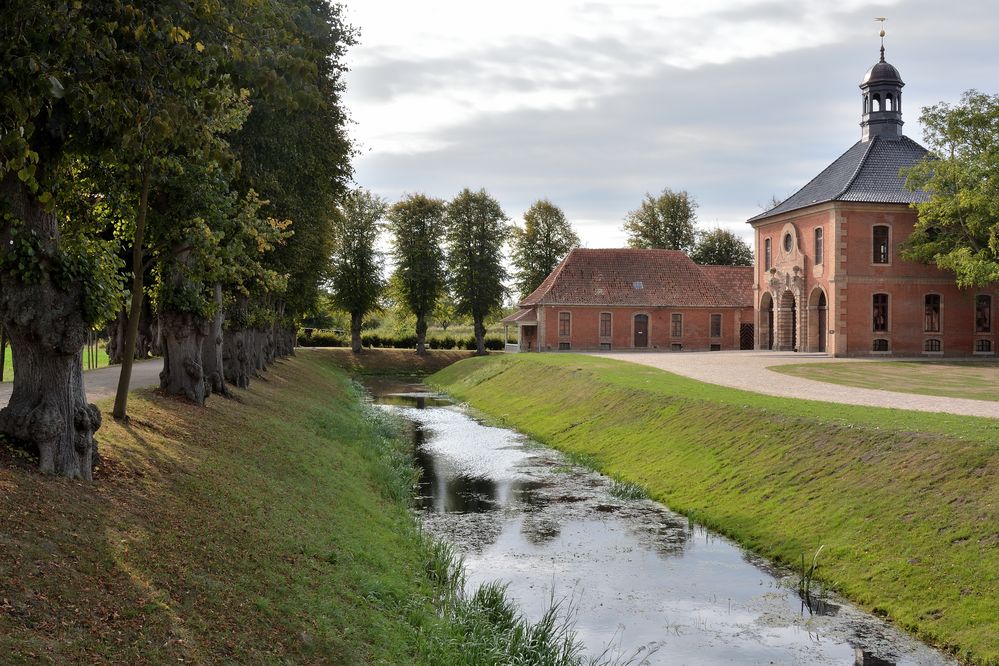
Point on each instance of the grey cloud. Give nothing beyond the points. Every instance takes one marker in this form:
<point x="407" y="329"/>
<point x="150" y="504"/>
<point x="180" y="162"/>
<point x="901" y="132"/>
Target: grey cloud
<point x="732" y="135"/>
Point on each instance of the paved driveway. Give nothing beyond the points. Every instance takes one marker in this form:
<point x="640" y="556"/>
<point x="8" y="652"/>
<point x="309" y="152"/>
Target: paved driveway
<point x="748" y="370"/>
<point x="103" y="383"/>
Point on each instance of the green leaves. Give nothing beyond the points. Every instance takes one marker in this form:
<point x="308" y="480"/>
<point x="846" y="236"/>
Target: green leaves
<point x="547" y="237"/>
<point x="720" y="247"/>
<point x="664" y="222"/>
<point x="958" y="227"/>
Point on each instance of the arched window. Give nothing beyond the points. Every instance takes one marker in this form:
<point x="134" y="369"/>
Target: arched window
<point x="880" y="345"/>
<point x="876" y="103"/>
<point x="880" y="235"/>
<point x="931" y="313"/>
<point x="888" y="103"/>
<point x="819" y="245"/>
<point x="867" y="104"/>
<point x="983" y="346"/>
<point x="767" y="254"/>
<point x="879" y="314"/>
<point x="932" y="345"/>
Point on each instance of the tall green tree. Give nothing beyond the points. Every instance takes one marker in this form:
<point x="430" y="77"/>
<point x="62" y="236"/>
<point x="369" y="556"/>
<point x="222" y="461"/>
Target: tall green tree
<point x="66" y="91"/>
<point x="538" y="247"/>
<point x="417" y="225"/>
<point x="356" y="281"/>
<point x="958" y="226"/>
<point x="477" y="227"/>
<point x="720" y="247"/>
<point x="664" y="222"/>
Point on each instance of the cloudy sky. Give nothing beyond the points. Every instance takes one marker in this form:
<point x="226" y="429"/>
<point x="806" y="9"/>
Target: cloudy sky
<point x="593" y="104"/>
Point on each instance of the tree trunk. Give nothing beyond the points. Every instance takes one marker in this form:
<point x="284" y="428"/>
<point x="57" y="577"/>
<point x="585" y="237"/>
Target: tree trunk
<point x="421" y="333"/>
<point x="235" y="362"/>
<point x="480" y="336"/>
<point x="183" y="337"/>
<point x="211" y="351"/>
<point x="144" y="338"/>
<point x="135" y="311"/>
<point x="355" y="331"/>
<point x="48" y="407"/>
<point x="116" y="337"/>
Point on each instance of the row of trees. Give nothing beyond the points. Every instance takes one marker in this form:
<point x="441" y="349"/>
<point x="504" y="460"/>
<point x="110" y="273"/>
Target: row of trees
<point x="184" y="158"/>
<point x="436" y="246"/>
<point x="446" y="251"/>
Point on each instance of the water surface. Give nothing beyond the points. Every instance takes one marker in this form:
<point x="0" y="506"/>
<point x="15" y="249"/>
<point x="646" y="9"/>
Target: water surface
<point x="639" y="578"/>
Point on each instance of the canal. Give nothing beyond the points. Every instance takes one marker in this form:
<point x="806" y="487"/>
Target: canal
<point x="640" y="579"/>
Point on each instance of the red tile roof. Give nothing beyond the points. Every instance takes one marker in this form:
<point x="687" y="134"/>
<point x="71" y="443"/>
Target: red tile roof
<point x="523" y="316"/>
<point x="643" y="278"/>
<point x="737" y="280"/>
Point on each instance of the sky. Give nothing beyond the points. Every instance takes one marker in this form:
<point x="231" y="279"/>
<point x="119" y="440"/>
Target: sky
<point x="594" y="104"/>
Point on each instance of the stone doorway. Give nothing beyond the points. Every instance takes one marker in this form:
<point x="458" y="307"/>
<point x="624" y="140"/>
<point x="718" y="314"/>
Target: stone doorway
<point x="787" y="322"/>
<point x="766" y="327"/>
<point x="817" y="320"/>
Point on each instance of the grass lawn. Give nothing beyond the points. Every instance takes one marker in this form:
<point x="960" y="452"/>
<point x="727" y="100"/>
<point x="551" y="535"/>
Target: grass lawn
<point x="8" y="365"/>
<point x="263" y="529"/>
<point x="905" y="503"/>
<point x="976" y="380"/>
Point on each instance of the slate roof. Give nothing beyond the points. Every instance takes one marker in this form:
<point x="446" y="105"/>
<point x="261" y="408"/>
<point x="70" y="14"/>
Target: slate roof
<point x="867" y="172"/>
<point x="631" y="277"/>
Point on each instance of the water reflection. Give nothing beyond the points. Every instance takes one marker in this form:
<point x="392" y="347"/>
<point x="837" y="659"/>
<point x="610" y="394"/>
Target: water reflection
<point x="637" y="574"/>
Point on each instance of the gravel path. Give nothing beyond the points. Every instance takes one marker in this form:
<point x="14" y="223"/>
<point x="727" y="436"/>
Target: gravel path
<point x="748" y="370"/>
<point x="103" y="383"/>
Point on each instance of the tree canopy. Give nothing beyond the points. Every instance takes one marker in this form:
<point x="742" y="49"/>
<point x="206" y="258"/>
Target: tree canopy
<point x="476" y="232"/>
<point x="356" y="282"/>
<point x="958" y="226"/>
<point x="721" y="247"/>
<point x="538" y="247"/>
<point x="664" y="222"/>
<point x="417" y="224"/>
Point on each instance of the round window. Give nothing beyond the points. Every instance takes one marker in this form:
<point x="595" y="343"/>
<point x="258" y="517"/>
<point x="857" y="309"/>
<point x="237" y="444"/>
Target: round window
<point x="787" y="242"/>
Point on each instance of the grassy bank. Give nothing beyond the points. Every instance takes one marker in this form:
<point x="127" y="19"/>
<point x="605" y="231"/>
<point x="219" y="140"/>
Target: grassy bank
<point x="273" y="528"/>
<point x="905" y="503"/>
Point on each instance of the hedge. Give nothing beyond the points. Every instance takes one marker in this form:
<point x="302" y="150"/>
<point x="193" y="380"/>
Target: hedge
<point x="331" y="339"/>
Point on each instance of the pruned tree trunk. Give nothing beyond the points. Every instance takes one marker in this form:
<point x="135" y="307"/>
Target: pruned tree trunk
<point x="116" y="337"/>
<point x="211" y="351"/>
<point x="235" y="361"/>
<point x="183" y="374"/>
<point x="480" y="336"/>
<point x="145" y="343"/>
<point x="48" y="408"/>
<point x="355" y="331"/>
<point x="236" y="355"/>
<point x="421" y="333"/>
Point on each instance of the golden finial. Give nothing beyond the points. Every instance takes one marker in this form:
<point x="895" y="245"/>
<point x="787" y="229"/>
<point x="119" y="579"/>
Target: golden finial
<point x="882" y="19"/>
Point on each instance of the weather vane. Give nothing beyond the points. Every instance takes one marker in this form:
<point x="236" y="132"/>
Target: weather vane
<point x="881" y="20"/>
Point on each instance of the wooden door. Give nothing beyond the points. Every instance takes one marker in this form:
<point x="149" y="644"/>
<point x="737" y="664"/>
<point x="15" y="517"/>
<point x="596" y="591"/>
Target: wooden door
<point x="641" y="330"/>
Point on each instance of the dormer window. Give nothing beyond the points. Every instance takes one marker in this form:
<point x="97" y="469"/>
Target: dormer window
<point x="638" y="284"/>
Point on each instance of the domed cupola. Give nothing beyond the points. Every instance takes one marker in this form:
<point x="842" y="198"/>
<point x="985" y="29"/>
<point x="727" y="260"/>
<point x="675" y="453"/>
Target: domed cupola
<point x="882" y="91"/>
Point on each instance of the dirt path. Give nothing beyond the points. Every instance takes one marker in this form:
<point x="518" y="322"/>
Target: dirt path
<point x="747" y="370"/>
<point x="103" y="383"/>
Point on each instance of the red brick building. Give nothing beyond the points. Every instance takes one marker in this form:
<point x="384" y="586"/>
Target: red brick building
<point x="637" y="299"/>
<point x="829" y="275"/>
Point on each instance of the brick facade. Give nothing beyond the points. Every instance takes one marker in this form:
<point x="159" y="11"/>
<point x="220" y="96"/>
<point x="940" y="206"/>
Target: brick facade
<point x="859" y="297"/>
